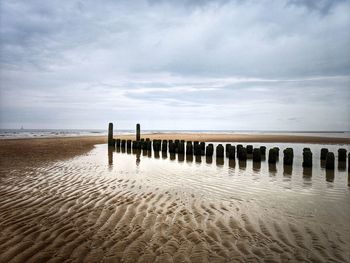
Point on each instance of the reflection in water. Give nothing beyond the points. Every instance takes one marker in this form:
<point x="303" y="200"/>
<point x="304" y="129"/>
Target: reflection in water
<point x="209" y="159"/>
<point x="307" y="173"/>
<point x="329" y="175"/>
<point x="287" y="170"/>
<point x="341" y="166"/>
<point x="219" y="161"/>
<point x="242" y="164"/>
<point x="189" y="158"/>
<point x="256" y="166"/>
<point x="156" y="155"/>
<point x="232" y="163"/>
<point x="272" y="168"/>
<point x="110" y="155"/>
<point x="181" y="158"/>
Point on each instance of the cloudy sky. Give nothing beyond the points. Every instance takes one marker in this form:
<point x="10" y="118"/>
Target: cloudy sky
<point x="184" y="64"/>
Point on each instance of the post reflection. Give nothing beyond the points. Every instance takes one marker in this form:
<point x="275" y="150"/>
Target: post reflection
<point x="110" y="155"/>
<point x="287" y="170"/>
<point x="156" y="155"/>
<point x="272" y="168"/>
<point x="341" y="166"/>
<point x="220" y="161"/>
<point x="329" y="175"/>
<point x="242" y="164"/>
<point x="256" y="166"/>
<point x="232" y="163"/>
<point x="181" y="158"/>
<point x="208" y="159"/>
<point x="307" y="173"/>
<point x="189" y="158"/>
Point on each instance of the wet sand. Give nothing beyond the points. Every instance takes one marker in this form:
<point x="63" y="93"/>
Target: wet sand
<point x="62" y="202"/>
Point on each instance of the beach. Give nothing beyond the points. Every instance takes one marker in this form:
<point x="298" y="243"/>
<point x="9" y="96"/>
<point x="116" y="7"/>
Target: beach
<point x="75" y="200"/>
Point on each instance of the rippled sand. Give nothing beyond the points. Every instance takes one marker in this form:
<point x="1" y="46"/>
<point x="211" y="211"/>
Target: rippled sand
<point x="111" y="206"/>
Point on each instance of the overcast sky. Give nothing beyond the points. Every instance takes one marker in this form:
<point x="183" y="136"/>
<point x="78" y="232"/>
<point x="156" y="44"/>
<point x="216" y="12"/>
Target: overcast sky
<point x="182" y="64"/>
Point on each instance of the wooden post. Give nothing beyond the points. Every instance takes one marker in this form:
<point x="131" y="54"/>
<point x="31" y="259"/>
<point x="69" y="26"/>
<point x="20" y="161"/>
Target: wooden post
<point x="110" y="134"/>
<point x="231" y="154"/>
<point x="307" y="158"/>
<point x="220" y="151"/>
<point x="256" y="155"/>
<point x="138" y="132"/>
<point x="324" y="152"/>
<point x="272" y="156"/>
<point x="288" y="156"/>
<point x="249" y="149"/>
<point x="330" y="161"/>
<point x="209" y="150"/>
<point x="342" y="155"/>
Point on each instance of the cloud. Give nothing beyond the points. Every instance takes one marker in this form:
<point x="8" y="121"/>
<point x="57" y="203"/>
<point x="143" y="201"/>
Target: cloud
<point x="200" y="63"/>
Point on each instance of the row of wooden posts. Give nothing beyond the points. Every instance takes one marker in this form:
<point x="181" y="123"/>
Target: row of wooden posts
<point x="200" y="149"/>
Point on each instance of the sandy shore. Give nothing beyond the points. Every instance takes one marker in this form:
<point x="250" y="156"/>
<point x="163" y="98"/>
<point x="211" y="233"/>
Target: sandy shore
<point x="53" y="210"/>
<point x="16" y="153"/>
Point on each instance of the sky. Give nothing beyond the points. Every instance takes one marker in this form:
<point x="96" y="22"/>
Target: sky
<point x="184" y="64"/>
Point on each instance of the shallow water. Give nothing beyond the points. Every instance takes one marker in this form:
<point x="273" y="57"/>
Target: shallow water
<point x="297" y="190"/>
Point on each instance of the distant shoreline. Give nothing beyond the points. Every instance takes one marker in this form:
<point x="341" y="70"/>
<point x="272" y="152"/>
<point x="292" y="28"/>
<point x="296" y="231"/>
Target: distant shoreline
<point x="206" y="137"/>
<point x="242" y="138"/>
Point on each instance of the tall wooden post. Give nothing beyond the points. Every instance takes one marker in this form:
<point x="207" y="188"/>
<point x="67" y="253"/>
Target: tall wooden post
<point x="110" y="134"/>
<point x="138" y="132"/>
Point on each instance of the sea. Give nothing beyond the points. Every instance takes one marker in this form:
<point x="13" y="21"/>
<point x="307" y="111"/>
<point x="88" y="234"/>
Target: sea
<point x="51" y="133"/>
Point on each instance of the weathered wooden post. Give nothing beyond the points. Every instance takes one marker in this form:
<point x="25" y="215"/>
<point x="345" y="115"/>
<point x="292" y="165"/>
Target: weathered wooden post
<point x="307" y="158"/>
<point x="220" y="151"/>
<point x="349" y="167"/>
<point x="181" y="148"/>
<point x="242" y="154"/>
<point x="110" y="134"/>
<point x="164" y="146"/>
<point x="189" y="148"/>
<point x="306" y="149"/>
<point x="227" y="147"/>
<point x="272" y="156"/>
<point x="249" y="149"/>
<point x="172" y="147"/>
<point x="324" y="152"/>
<point x="138" y="132"/>
<point x="256" y="155"/>
<point x="122" y="144"/>
<point x="330" y="161"/>
<point x="231" y="152"/>
<point x="209" y="150"/>
<point x="342" y="155"/>
<point x="288" y="156"/>
<point x="202" y="148"/>
<point x="128" y="144"/>
<point x="263" y="150"/>
<point x="117" y="142"/>
<point x="197" y="149"/>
